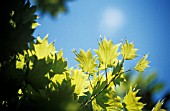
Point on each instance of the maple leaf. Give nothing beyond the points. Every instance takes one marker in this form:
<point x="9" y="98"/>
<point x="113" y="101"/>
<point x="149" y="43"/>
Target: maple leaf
<point x="34" y="25"/>
<point x="20" y="61"/>
<point x="43" y="49"/>
<point x="80" y="80"/>
<point x="60" y="55"/>
<point x="158" y="106"/>
<point x="86" y="61"/>
<point x="96" y="107"/>
<point x="128" y="51"/>
<point x="59" y="65"/>
<point x="114" y="103"/>
<point x="107" y="53"/>
<point x="58" y="78"/>
<point x="142" y="64"/>
<point x="132" y="102"/>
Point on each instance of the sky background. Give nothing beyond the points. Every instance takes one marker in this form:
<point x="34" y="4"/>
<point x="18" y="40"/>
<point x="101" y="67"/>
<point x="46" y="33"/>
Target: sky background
<point x="144" y="22"/>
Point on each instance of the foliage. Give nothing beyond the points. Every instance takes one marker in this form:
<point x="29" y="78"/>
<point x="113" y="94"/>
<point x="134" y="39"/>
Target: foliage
<point x="54" y="7"/>
<point x="17" y="18"/>
<point x="132" y="102"/>
<point x="46" y="81"/>
<point x="128" y="51"/>
<point x="87" y="62"/>
<point x="107" y="53"/>
<point x="33" y="76"/>
<point x="149" y="87"/>
<point x="158" y="106"/>
<point x="142" y="64"/>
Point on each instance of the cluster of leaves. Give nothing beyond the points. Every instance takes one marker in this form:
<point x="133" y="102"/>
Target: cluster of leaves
<point x="16" y="28"/>
<point x="148" y="85"/>
<point x="17" y="18"/>
<point x="110" y="73"/>
<point x="18" y="22"/>
<point x="34" y="76"/>
<point x="46" y="83"/>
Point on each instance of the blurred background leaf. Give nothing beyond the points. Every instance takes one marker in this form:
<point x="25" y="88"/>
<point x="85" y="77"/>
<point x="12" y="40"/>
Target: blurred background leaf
<point x="149" y="87"/>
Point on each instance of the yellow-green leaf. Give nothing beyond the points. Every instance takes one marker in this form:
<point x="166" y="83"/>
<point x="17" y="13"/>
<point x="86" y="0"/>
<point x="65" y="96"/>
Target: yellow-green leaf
<point x="132" y="102"/>
<point x="158" y="106"/>
<point x="20" y="93"/>
<point x="86" y="61"/>
<point x="142" y="64"/>
<point x="60" y="54"/>
<point x="34" y="25"/>
<point x="96" y="107"/>
<point x="107" y="53"/>
<point x="43" y="49"/>
<point x="128" y="51"/>
<point x="58" y="78"/>
<point x="80" y="80"/>
<point x="20" y="62"/>
<point x="114" y="102"/>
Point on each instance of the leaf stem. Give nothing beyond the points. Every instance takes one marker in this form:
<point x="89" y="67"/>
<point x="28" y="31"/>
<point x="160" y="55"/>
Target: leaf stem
<point x="90" y="82"/>
<point x="106" y="75"/>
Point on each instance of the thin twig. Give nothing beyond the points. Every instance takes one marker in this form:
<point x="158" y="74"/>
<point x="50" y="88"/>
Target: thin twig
<point x="103" y="88"/>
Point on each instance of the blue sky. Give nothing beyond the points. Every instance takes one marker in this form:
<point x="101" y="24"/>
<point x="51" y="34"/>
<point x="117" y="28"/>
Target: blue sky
<point x="144" y="22"/>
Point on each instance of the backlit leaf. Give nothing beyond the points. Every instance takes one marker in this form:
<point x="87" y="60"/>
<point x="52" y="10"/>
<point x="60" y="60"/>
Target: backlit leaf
<point x="34" y="25"/>
<point x="128" y="51"/>
<point x="132" y="102"/>
<point x="79" y="79"/>
<point x="43" y="49"/>
<point x="114" y="102"/>
<point x="95" y="106"/>
<point x="142" y="64"/>
<point x="20" y="61"/>
<point x="60" y="54"/>
<point x="86" y="61"/>
<point x="158" y="106"/>
<point x="58" y="78"/>
<point x="107" y="53"/>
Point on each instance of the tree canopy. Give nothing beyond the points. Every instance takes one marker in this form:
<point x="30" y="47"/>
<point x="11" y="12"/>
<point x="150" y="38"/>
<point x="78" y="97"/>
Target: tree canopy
<point x="34" y="76"/>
